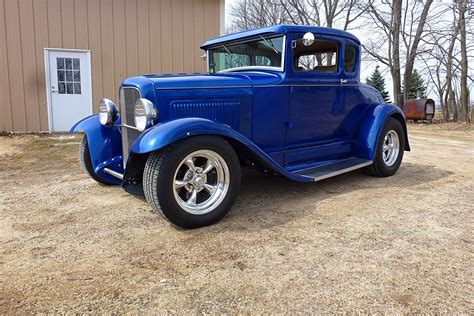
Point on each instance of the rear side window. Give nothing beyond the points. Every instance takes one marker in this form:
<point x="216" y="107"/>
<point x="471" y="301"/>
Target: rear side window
<point x="319" y="57"/>
<point x="350" y="58"/>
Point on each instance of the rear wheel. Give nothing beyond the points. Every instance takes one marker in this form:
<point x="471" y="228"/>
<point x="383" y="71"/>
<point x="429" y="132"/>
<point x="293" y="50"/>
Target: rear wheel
<point x="86" y="163"/>
<point x="193" y="183"/>
<point x="389" y="150"/>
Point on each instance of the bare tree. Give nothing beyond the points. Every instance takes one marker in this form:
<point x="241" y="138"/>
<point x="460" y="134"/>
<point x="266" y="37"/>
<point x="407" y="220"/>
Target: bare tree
<point x="412" y="41"/>
<point x="449" y="39"/>
<point x="329" y="13"/>
<point x="449" y="98"/>
<point x="398" y="24"/>
<point x="435" y="63"/>
<point x="248" y="14"/>
<point x="464" y="95"/>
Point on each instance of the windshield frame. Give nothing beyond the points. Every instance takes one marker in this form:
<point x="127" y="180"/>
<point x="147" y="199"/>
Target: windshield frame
<point x="271" y="68"/>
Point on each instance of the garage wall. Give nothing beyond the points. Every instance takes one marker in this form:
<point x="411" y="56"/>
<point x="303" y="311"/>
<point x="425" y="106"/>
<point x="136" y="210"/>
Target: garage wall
<point x="126" y="38"/>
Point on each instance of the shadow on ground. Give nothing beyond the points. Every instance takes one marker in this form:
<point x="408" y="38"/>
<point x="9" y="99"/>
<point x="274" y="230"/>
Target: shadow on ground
<point x="259" y="204"/>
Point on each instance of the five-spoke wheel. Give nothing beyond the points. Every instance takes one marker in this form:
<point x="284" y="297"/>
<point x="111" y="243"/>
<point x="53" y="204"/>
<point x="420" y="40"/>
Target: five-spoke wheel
<point x="391" y="147"/>
<point x="194" y="182"/>
<point x="389" y="150"/>
<point x="201" y="181"/>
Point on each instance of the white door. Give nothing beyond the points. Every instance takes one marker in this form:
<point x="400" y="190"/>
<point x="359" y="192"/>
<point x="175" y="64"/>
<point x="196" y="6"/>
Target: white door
<point x="69" y="85"/>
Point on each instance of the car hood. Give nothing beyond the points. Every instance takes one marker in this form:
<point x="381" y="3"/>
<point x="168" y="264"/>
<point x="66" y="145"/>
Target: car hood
<point x="208" y="80"/>
<point x="224" y="97"/>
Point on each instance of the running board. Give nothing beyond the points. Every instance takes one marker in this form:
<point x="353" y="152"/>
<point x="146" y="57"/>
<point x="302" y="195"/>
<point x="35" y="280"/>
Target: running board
<point x="113" y="173"/>
<point x="333" y="169"/>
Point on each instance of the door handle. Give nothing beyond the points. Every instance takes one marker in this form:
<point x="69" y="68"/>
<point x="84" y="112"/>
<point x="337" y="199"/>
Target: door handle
<point x="342" y="81"/>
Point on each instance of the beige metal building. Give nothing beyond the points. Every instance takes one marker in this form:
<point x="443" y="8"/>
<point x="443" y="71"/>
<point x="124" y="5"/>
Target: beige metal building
<point x="58" y="58"/>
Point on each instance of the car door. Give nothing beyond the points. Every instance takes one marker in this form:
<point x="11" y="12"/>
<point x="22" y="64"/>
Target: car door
<point x="317" y="105"/>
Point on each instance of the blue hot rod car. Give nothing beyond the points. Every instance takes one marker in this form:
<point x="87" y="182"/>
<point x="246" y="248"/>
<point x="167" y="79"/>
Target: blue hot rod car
<point x="285" y="99"/>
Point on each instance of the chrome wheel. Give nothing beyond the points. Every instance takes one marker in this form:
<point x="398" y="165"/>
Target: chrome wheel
<point x="201" y="182"/>
<point x="391" y="148"/>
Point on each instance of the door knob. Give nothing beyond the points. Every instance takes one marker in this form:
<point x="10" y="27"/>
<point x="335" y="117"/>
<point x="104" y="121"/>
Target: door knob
<point x="343" y="81"/>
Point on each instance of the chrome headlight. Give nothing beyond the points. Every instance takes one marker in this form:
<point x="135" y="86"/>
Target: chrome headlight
<point x="108" y="112"/>
<point x="145" y="114"/>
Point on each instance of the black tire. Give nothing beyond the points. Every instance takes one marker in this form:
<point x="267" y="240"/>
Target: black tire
<point x="379" y="168"/>
<point x="159" y="173"/>
<point x="86" y="163"/>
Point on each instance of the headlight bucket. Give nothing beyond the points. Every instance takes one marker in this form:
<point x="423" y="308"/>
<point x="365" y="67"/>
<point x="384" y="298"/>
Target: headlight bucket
<point x="108" y="112"/>
<point x="145" y="114"/>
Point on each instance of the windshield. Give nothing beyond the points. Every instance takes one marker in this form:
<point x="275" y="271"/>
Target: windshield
<point x="264" y="52"/>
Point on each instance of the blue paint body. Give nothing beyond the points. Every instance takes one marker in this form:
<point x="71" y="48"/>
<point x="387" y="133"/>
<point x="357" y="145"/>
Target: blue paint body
<point x="287" y="121"/>
<point x="104" y="146"/>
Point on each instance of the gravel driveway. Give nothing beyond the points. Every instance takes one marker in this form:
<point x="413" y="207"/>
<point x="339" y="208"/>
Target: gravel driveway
<point x="351" y="243"/>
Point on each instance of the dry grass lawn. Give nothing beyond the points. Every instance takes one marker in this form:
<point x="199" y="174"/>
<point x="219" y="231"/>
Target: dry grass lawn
<point x="347" y="244"/>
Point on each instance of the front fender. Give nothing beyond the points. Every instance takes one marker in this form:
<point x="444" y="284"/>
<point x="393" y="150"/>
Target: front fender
<point x="163" y="134"/>
<point x="105" y="145"/>
<point x="371" y="125"/>
<point x="167" y="133"/>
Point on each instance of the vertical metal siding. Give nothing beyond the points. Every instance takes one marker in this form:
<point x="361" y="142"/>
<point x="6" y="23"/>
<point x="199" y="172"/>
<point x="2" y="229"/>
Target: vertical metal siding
<point x="15" y="64"/>
<point x="28" y="56"/>
<point x="126" y="38"/>
<point x="40" y="16"/>
<point x="6" y="120"/>
<point x="95" y="40"/>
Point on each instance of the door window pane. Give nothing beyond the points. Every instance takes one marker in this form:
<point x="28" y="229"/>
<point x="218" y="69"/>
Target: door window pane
<point x="77" y="88"/>
<point x="69" y="89"/>
<point x="77" y="76"/>
<point x="69" y="75"/>
<point x="76" y="64"/>
<point x="61" y="75"/>
<point x="60" y="63"/>
<point x="68" y="63"/>
<point x="62" y="88"/>
<point x="321" y="56"/>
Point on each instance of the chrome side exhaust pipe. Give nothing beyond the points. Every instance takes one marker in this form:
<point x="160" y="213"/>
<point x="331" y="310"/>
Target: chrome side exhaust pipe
<point x="113" y="173"/>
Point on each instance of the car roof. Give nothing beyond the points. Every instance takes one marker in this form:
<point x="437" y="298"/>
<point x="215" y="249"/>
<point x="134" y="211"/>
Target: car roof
<point x="279" y="29"/>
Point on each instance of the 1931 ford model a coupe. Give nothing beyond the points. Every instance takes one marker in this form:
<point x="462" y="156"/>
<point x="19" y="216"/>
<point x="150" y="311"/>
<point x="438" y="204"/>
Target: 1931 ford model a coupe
<point x="286" y="99"/>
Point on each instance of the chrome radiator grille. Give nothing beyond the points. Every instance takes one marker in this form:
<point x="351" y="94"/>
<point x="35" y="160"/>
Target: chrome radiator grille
<point x="128" y="97"/>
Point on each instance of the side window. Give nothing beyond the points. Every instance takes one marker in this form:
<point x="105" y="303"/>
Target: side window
<point x="350" y="58"/>
<point x="319" y="57"/>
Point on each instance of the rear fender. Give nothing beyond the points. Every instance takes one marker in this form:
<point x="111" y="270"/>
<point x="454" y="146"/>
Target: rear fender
<point x="105" y="146"/>
<point x="371" y="125"/>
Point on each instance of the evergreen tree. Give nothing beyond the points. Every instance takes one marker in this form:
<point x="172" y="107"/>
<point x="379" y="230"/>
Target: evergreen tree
<point x="417" y="84"/>
<point x="377" y="81"/>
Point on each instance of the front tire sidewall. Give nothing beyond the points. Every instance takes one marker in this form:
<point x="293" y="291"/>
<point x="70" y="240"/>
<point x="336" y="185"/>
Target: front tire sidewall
<point x="165" y="181"/>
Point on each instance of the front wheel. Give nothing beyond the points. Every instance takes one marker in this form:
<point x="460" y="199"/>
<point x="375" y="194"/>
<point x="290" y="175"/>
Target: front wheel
<point x="193" y="183"/>
<point x="389" y="150"/>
